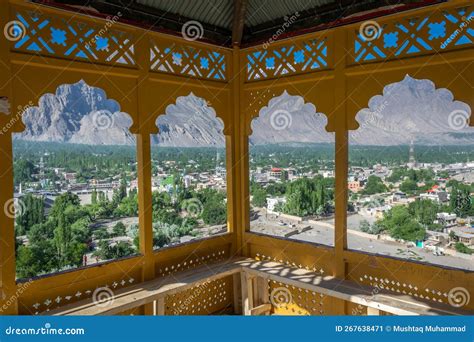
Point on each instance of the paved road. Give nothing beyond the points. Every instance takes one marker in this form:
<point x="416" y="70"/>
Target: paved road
<point x="324" y="234"/>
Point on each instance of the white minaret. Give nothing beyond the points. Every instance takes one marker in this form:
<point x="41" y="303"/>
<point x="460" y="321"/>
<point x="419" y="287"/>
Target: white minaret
<point x="218" y="157"/>
<point x="411" y="159"/>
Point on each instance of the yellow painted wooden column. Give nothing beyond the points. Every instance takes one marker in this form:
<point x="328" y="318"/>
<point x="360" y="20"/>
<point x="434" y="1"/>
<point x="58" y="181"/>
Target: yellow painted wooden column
<point x="231" y="189"/>
<point x="341" y="160"/>
<point x="144" y="167"/>
<point x="341" y="151"/>
<point x="245" y="187"/>
<point x="8" y="299"/>
<point x="145" y="208"/>
<point x="8" y="288"/>
<point x="238" y="167"/>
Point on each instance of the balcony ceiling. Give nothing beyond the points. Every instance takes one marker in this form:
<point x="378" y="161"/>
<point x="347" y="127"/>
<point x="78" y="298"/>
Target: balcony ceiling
<point x="239" y="22"/>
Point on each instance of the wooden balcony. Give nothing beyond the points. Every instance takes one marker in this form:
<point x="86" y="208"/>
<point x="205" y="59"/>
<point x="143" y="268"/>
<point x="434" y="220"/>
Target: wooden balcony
<point x="239" y="272"/>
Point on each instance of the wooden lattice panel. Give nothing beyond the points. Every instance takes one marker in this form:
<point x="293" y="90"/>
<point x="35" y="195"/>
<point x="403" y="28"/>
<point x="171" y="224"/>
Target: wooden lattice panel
<point x="431" y="32"/>
<point x="291" y="300"/>
<point x="100" y="292"/>
<point x="56" y="36"/>
<point x="204" y="299"/>
<point x="406" y="288"/>
<point x="188" y="61"/>
<point x="295" y="58"/>
<point x="354" y="309"/>
<point x="191" y="261"/>
<point x="421" y="281"/>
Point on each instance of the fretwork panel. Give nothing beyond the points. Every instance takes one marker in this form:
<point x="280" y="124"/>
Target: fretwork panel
<point x="445" y="29"/>
<point x="64" y="37"/>
<point x="188" y="61"/>
<point x="297" y="57"/>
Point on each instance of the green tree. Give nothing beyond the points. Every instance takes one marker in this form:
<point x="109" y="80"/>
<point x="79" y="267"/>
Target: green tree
<point x="462" y="248"/>
<point x="307" y="197"/>
<point x="364" y="226"/>
<point x="374" y="186"/>
<point x="259" y="196"/>
<point x="401" y="225"/>
<point x="424" y="211"/>
<point x="460" y="200"/>
<point x="94" y="197"/>
<point x="214" y="213"/>
<point x="409" y="186"/>
<point x="23" y="171"/>
<point x="119" y="229"/>
<point x="32" y="213"/>
<point x="62" y="239"/>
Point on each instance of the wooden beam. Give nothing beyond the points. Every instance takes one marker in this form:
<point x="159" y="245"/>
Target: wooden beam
<point x="247" y="293"/>
<point x="373" y="312"/>
<point x="160" y="306"/>
<point x="237" y="294"/>
<point x="261" y="309"/>
<point x="240" y="8"/>
<point x="263" y="291"/>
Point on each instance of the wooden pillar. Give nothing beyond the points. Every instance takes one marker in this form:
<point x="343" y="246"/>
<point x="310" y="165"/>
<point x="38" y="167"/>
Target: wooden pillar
<point x="8" y="299"/>
<point x="232" y="202"/>
<point x="145" y="210"/>
<point x="238" y="162"/>
<point x="247" y="293"/>
<point x="373" y="312"/>
<point x="341" y="163"/>
<point x="341" y="153"/>
<point x="244" y="189"/>
<point x="8" y="288"/>
<point x="160" y="306"/>
<point x="263" y="291"/>
<point x="237" y="293"/>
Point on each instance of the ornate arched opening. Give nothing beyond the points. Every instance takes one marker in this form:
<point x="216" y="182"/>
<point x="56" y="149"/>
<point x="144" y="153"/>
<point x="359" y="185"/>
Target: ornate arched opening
<point x="189" y="175"/>
<point x="291" y="171"/>
<point x="411" y="175"/>
<point x="75" y="182"/>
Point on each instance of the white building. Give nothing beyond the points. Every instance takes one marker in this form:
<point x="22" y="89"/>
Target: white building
<point x="446" y="220"/>
<point x="272" y="202"/>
